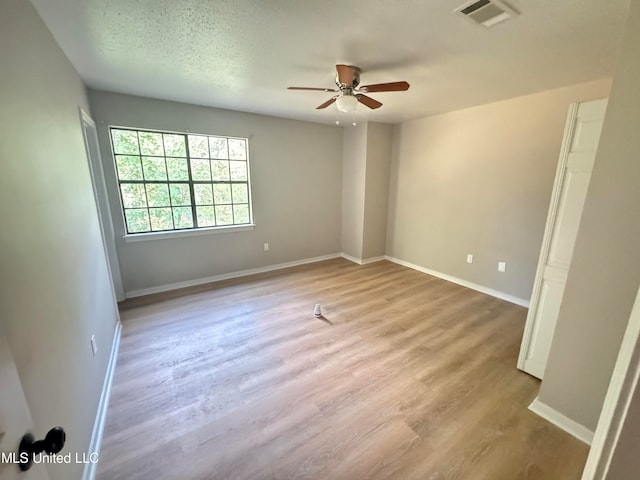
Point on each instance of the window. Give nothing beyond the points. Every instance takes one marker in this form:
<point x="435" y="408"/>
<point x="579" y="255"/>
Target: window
<point x="177" y="181"/>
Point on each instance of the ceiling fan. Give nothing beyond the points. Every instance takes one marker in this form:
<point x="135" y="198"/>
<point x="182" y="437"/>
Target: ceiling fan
<point x="347" y="81"/>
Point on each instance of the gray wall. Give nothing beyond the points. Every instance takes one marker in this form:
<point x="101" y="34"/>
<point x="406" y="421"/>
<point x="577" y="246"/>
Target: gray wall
<point x="296" y="172"/>
<point x="379" y="139"/>
<point x="605" y="270"/>
<point x="479" y="181"/>
<point x="365" y="189"/>
<point x="354" y="158"/>
<point x="55" y="289"/>
<point x="625" y="462"/>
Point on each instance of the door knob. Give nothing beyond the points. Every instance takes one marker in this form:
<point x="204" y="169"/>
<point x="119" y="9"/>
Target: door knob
<point x="30" y="447"/>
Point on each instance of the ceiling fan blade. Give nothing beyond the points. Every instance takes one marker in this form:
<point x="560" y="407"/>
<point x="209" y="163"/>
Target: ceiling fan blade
<point x="313" y="88"/>
<point x="368" y="101"/>
<point x="327" y="103"/>
<point x="386" y="87"/>
<point x="346" y="74"/>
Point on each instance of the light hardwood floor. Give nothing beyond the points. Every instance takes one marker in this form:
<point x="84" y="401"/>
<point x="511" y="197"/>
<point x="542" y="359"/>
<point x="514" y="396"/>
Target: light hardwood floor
<point x="407" y="377"/>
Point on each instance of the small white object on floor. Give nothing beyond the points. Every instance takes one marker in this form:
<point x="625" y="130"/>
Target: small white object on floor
<point x="316" y="311"/>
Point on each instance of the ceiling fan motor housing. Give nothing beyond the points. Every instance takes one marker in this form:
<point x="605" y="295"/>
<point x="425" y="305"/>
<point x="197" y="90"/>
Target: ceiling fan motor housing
<point x="355" y="82"/>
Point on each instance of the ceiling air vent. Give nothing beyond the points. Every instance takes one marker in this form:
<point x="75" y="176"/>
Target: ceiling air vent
<point x="486" y="12"/>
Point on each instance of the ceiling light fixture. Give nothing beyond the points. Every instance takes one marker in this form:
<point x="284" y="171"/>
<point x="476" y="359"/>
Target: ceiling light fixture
<point x="346" y="103"/>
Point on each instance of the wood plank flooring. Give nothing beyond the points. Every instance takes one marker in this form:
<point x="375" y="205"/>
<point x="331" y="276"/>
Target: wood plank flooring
<point x="406" y="377"/>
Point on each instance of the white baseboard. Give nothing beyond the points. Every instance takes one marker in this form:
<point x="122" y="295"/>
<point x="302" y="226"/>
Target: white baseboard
<point x="351" y="259"/>
<point x="226" y="276"/>
<point x="372" y="260"/>
<point x="252" y="271"/>
<point x="362" y="262"/>
<point x="89" y="471"/>
<point x="559" y="420"/>
<point x="450" y="278"/>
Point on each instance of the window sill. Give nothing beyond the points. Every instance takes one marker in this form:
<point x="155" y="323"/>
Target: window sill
<point x="142" y="237"/>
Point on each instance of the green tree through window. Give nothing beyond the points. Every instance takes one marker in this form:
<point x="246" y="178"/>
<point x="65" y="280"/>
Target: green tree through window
<point x="178" y="181"/>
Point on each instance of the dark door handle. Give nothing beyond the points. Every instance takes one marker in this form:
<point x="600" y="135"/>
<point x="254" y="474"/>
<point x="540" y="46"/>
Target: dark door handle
<point x="29" y="447"/>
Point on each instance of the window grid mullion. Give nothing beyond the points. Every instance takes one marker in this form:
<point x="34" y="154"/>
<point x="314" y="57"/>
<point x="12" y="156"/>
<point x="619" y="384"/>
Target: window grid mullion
<point x="197" y="182"/>
<point x="191" y="191"/>
<point x="146" y="196"/>
<point x="230" y="187"/>
<point x="233" y="210"/>
<point x="166" y="170"/>
<point x="213" y="200"/>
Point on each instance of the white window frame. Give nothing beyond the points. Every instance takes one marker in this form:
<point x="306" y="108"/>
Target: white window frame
<point x="180" y="232"/>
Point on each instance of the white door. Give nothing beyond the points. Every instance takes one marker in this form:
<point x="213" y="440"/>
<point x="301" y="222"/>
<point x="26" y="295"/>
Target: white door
<point x="15" y="418"/>
<point x="581" y="137"/>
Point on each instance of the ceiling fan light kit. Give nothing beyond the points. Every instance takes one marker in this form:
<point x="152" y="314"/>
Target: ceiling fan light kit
<point x="347" y="103"/>
<point x="349" y="95"/>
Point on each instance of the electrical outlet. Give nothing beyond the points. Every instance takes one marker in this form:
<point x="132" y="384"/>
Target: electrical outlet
<point x="266" y="247"/>
<point x="94" y="345"/>
<point x="502" y="266"/>
<point x="469" y="258"/>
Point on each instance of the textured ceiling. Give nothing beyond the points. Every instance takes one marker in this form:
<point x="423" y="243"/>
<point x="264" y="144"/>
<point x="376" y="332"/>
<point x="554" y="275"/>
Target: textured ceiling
<point x="242" y="54"/>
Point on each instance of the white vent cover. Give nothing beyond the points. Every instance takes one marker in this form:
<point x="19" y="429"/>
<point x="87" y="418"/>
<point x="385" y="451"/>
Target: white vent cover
<point x="486" y="12"/>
